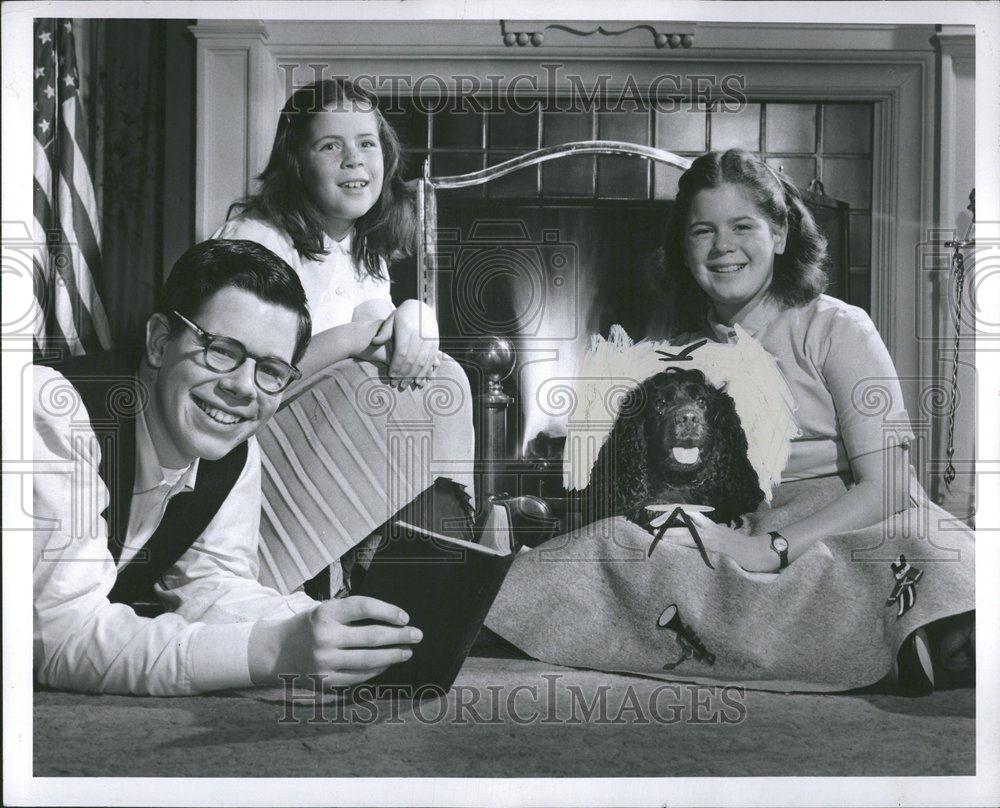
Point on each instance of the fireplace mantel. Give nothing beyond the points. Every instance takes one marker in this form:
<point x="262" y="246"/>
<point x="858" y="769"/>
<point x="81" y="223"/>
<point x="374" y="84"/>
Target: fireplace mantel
<point x="245" y="68"/>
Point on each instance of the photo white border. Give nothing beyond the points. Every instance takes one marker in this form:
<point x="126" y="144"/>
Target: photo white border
<point x="20" y="788"/>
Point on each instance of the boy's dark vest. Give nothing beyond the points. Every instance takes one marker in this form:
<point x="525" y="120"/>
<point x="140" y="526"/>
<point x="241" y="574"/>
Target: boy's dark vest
<point x="113" y="396"/>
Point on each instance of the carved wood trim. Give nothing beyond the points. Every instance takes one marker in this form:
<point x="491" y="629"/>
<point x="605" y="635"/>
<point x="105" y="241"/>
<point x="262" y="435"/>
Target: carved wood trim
<point x="662" y="35"/>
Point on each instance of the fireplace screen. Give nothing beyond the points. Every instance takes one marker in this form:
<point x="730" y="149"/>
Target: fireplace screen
<point x="543" y="273"/>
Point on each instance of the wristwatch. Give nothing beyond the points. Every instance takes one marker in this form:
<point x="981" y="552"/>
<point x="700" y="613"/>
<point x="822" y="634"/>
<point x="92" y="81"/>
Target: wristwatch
<point x="780" y="545"/>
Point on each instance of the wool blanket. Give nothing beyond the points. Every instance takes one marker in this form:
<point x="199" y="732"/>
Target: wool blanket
<point x="833" y="620"/>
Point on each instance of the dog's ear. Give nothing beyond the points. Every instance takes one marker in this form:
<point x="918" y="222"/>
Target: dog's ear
<point x="619" y="477"/>
<point x="734" y="481"/>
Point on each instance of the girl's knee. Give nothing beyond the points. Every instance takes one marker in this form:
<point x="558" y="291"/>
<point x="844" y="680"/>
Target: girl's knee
<point x="448" y="392"/>
<point x="452" y="373"/>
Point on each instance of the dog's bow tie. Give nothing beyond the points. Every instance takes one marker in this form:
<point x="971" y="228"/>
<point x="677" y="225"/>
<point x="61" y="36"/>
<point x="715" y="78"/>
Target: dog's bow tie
<point x="683" y="356"/>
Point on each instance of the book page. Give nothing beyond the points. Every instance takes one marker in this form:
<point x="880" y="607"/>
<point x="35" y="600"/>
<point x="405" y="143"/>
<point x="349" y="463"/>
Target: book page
<point x="441" y="537"/>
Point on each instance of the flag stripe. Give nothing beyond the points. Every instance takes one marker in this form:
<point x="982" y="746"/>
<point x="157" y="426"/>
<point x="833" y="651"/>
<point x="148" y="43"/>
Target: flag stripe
<point x="74" y="219"/>
<point x="76" y="226"/>
<point x="41" y="288"/>
<point x="70" y="166"/>
<point x="81" y="172"/>
<point x="81" y="135"/>
<point x="66" y="298"/>
<point x="86" y="290"/>
<point x="66" y="318"/>
<point x="81" y="277"/>
<point x="43" y="210"/>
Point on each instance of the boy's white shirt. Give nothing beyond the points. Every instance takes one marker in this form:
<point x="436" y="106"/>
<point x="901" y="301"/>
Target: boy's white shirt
<point x="154" y="487"/>
<point x="84" y="642"/>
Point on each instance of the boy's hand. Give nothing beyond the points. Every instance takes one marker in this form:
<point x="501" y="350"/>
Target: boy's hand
<point x="325" y="641"/>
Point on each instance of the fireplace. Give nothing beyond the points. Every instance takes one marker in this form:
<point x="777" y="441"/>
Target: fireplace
<point x="876" y="130"/>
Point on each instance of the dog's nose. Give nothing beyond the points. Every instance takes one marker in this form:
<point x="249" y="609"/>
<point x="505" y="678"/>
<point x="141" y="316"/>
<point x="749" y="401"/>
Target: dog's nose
<point x="689" y="419"/>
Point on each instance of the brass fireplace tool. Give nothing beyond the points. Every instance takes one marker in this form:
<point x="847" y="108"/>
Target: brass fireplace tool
<point x="958" y="272"/>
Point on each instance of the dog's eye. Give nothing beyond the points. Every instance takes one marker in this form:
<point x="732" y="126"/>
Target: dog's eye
<point x="702" y="401"/>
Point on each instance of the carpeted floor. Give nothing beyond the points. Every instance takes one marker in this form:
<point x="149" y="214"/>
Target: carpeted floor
<point x="510" y="717"/>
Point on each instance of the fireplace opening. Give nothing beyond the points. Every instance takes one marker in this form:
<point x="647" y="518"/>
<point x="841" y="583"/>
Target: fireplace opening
<point x="546" y="274"/>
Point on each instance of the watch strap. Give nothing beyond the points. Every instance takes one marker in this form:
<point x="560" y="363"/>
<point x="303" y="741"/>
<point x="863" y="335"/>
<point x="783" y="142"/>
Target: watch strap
<point x="782" y="554"/>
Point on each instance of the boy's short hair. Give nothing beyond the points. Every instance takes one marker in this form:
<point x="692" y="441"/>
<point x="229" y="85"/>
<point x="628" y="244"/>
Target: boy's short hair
<point x="217" y="264"/>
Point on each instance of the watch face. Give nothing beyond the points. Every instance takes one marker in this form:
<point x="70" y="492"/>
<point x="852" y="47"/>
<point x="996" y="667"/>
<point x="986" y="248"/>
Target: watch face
<point x="780" y="544"/>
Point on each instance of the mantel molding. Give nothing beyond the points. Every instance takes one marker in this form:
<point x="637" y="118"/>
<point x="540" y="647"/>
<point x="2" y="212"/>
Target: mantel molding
<point x="235" y="69"/>
<point x="486" y="36"/>
<point x="955" y="48"/>
<point x="957" y="41"/>
<point x="230" y="29"/>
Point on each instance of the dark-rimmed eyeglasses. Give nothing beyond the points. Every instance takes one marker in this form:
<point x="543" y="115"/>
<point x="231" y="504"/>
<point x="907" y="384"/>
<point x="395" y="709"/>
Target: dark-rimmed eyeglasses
<point x="225" y="354"/>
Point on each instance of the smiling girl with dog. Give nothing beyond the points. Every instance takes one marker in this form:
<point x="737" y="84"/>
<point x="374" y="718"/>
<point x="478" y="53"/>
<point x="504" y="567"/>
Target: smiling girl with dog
<point x="742" y="248"/>
<point x="866" y="562"/>
<point x="753" y="255"/>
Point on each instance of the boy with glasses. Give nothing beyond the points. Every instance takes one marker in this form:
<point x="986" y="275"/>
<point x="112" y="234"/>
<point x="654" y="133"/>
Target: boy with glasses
<point x="155" y="495"/>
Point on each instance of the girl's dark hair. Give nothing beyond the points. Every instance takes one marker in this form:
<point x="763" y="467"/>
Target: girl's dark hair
<point x="388" y="229"/>
<point x="221" y="263"/>
<point x="799" y="276"/>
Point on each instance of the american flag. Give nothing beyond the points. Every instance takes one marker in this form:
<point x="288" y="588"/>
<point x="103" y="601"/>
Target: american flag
<point x="68" y="258"/>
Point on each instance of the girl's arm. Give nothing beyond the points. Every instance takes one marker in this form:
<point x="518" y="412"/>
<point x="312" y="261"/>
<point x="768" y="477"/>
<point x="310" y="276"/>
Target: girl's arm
<point x="853" y="364"/>
<point x="879" y="492"/>
<point x="407" y="339"/>
<point x="377" y="308"/>
<point x="352" y="340"/>
<point x="858" y="372"/>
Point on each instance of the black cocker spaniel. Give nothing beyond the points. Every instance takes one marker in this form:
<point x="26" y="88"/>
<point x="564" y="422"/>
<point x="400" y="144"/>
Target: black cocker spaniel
<point x="677" y="439"/>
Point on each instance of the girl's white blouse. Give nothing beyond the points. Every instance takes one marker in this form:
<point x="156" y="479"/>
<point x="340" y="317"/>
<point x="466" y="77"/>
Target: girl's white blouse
<point x="334" y="286"/>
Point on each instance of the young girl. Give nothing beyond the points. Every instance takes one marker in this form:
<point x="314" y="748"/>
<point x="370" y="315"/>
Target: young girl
<point x="345" y="452"/>
<point x="333" y="204"/>
<point x="740" y="247"/>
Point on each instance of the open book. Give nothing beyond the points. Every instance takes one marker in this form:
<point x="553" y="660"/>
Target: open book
<point x="447" y="586"/>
